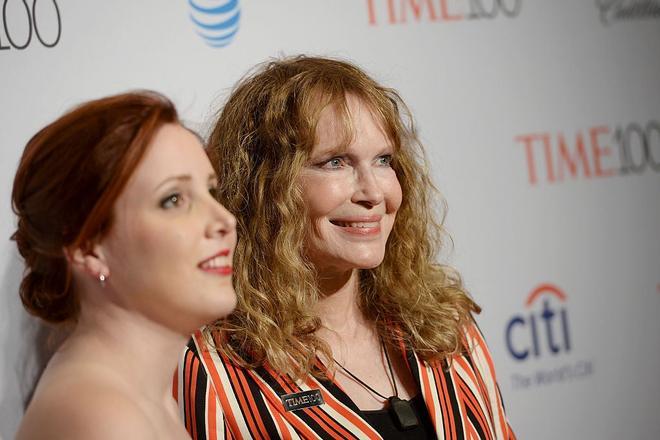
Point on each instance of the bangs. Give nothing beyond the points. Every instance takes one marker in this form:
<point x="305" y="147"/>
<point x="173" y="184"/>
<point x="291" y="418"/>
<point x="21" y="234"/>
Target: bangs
<point x="334" y="98"/>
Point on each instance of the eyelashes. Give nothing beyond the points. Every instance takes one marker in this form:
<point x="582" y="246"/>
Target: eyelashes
<point x="171" y="201"/>
<point x="339" y="162"/>
<point x="177" y="198"/>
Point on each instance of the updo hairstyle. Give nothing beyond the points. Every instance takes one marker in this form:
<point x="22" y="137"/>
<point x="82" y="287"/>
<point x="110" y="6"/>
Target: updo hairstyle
<point x="68" y="179"/>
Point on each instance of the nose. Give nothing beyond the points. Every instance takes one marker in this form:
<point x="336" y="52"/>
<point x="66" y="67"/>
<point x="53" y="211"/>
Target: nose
<point x="222" y="221"/>
<point x="368" y="190"/>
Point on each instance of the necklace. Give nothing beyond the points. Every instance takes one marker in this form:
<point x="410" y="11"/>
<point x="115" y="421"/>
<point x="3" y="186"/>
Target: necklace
<point x="400" y="410"/>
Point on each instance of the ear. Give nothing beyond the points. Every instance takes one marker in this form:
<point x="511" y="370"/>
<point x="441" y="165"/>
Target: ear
<point x="90" y="260"/>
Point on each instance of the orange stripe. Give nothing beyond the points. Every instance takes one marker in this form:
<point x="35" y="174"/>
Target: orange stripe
<point x="482" y="342"/>
<point x="402" y="350"/>
<point x="193" y="392"/>
<point x="470" y="433"/>
<point x="424" y="375"/>
<point x="458" y="395"/>
<point x="484" y="392"/>
<point x="211" y="426"/>
<point x="284" y="431"/>
<point x="443" y="396"/>
<point x="461" y="404"/>
<point x="175" y="386"/>
<point x="215" y="378"/>
<point x="252" y="403"/>
<point x="512" y="435"/>
<point x="186" y="390"/>
<point x="470" y="401"/>
<point x="475" y="377"/>
<point x="242" y="401"/>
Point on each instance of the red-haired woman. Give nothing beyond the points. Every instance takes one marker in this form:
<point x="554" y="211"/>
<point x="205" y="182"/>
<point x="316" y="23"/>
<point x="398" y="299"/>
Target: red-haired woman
<point x="124" y="242"/>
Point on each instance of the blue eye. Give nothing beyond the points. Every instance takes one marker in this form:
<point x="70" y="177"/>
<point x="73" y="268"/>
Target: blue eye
<point x="171" y="201"/>
<point x="385" y="160"/>
<point x="334" y="163"/>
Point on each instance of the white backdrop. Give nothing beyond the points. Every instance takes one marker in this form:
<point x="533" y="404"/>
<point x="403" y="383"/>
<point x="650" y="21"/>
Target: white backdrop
<point x="542" y="123"/>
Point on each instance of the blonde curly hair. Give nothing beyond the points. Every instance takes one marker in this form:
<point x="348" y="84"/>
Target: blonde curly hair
<point x="261" y="140"/>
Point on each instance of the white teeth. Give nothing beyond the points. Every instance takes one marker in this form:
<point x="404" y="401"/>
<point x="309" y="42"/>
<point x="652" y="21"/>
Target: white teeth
<point x="358" y="224"/>
<point x="216" y="262"/>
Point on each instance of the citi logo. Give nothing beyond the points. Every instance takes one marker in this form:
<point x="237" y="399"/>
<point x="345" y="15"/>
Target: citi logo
<point x="216" y="21"/>
<point x="543" y="329"/>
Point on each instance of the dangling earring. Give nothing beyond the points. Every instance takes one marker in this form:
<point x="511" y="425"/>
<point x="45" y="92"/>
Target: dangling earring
<point x="102" y="279"/>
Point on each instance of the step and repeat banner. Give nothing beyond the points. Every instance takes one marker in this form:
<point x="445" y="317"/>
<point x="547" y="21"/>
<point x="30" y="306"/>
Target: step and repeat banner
<point x="541" y="121"/>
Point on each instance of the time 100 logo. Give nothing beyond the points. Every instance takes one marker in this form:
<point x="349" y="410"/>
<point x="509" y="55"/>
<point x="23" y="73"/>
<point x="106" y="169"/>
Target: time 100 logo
<point x="24" y="23"/>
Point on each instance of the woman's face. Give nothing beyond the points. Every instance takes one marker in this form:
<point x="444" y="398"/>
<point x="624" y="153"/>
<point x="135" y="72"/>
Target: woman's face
<point x="169" y="250"/>
<point x="352" y="193"/>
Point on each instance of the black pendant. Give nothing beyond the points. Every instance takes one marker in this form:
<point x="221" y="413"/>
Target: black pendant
<point x="403" y="413"/>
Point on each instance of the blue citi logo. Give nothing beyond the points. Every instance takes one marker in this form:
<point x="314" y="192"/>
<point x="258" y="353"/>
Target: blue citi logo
<point x="216" y="21"/>
<point x="543" y="329"/>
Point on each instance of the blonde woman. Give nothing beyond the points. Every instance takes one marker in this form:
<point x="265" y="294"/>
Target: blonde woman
<point x="346" y="326"/>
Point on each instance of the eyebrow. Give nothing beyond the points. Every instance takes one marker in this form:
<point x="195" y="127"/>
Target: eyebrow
<point x="185" y="178"/>
<point x="337" y="150"/>
<point x="180" y="178"/>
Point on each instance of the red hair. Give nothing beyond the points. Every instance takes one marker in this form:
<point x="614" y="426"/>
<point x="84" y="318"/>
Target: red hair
<point x="68" y="179"/>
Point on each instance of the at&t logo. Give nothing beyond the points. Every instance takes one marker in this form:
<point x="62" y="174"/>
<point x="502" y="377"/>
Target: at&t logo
<point x="543" y="329"/>
<point x="216" y="21"/>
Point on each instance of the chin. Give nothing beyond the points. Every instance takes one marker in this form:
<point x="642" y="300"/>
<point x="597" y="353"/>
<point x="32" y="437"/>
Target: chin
<point x="369" y="265"/>
<point x="367" y="262"/>
<point x="216" y="305"/>
<point x="223" y="308"/>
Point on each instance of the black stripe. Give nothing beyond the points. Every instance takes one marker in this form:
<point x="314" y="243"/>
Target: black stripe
<point x="453" y="400"/>
<point x="475" y="422"/>
<point x="237" y="389"/>
<point x="201" y="391"/>
<point x="199" y="399"/>
<point x="258" y="396"/>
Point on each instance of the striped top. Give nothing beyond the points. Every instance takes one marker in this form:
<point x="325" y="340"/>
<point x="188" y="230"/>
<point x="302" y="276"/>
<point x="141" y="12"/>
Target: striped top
<point x="219" y="399"/>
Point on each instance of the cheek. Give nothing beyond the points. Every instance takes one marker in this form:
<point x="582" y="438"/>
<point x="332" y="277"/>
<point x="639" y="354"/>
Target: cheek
<point x="393" y="193"/>
<point x="323" y="195"/>
<point x="151" y="243"/>
<point x="160" y="243"/>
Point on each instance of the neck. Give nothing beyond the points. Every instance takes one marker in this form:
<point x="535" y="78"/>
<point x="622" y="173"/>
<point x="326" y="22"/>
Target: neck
<point x="142" y="353"/>
<point x="338" y="307"/>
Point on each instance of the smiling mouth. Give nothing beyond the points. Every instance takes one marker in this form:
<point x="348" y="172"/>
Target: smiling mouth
<point x="344" y="224"/>
<point x="361" y="228"/>
<point x="220" y="264"/>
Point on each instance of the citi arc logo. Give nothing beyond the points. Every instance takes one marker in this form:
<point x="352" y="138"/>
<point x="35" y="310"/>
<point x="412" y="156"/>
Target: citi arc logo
<point x="216" y="21"/>
<point x="541" y="330"/>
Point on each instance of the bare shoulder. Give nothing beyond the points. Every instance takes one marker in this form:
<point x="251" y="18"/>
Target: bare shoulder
<point x="82" y="409"/>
